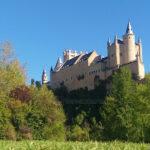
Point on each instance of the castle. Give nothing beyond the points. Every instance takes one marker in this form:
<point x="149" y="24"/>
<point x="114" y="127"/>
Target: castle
<point x="81" y="70"/>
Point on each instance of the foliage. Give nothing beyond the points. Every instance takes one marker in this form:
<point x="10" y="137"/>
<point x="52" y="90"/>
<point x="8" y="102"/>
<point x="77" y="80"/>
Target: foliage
<point x="26" y="112"/>
<point x="81" y="108"/>
<point x="11" y="72"/>
<point x="125" y="109"/>
<point x="36" y="112"/>
<point x="21" y="93"/>
<point x="38" y="84"/>
<point x="78" y="134"/>
<point x="45" y="116"/>
<point x="7" y="131"/>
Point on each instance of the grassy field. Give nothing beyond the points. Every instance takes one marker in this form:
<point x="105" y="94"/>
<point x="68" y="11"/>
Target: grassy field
<point x="47" y="145"/>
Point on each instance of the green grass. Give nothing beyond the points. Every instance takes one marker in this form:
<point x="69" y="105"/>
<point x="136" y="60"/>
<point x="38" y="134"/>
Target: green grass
<point x="47" y="145"/>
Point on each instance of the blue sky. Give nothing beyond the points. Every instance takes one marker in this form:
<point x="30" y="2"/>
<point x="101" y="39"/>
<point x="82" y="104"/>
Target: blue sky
<point x="40" y="30"/>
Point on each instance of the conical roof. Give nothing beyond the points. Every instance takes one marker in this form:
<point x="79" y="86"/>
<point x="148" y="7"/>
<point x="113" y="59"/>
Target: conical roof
<point x="129" y="28"/>
<point x="58" y="64"/>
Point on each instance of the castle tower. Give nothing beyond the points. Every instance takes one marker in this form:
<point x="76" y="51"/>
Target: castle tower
<point x="140" y="67"/>
<point x="117" y="52"/>
<point x="140" y="49"/>
<point x="69" y="54"/>
<point x="58" y="64"/>
<point x="113" y="53"/>
<point x="44" y="77"/>
<point x="129" y="45"/>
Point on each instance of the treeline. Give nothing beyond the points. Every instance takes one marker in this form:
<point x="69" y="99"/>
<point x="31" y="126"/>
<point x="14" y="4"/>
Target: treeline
<point x="117" y="109"/>
<point x="26" y="112"/>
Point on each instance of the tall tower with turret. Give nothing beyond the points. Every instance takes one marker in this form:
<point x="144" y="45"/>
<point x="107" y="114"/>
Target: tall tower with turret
<point x="44" y="77"/>
<point x="113" y="50"/>
<point x="129" y="44"/>
<point x="126" y="52"/>
<point x="116" y="52"/>
<point x="140" y="49"/>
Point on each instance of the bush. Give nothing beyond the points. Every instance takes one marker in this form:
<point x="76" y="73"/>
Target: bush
<point x="45" y="116"/>
<point x="78" y="134"/>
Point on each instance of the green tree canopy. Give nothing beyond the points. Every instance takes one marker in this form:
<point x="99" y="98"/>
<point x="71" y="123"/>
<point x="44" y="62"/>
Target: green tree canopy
<point x="46" y="116"/>
<point x="123" y="109"/>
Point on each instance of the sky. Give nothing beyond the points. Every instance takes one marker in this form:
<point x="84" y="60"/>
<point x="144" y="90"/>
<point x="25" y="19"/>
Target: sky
<point x="40" y="30"/>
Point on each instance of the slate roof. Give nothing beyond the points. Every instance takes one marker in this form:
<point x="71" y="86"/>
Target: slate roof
<point x="73" y="60"/>
<point x="70" y="62"/>
<point x="103" y="59"/>
<point x="120" y="42"/>
<point x="86" y="56"/>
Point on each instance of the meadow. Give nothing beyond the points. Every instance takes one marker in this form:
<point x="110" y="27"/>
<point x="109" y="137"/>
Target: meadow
<point x="48" y="145"/>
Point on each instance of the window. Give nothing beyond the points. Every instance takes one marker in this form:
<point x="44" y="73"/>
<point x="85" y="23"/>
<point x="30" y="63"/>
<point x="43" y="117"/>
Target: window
<point x="80" y="77"/>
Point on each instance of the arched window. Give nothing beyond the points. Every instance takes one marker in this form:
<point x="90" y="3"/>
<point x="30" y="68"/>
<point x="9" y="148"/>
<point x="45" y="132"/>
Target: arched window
<point x="96" y="81"/>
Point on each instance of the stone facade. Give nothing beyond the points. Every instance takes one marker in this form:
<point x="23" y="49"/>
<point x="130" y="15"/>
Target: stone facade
<point x="84" y="69"/>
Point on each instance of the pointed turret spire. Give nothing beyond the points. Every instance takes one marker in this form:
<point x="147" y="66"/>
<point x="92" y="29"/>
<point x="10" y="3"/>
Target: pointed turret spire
<point x="44" y="77"/>
<point x="108" y="42"/>
<point x="129" y="28"/>
<point x="51" y="69"/>
<point x="59" y="60"/>
<point x="115" y="39"/>
<point x="58" y="64"/>
<point x="139" y="40"/>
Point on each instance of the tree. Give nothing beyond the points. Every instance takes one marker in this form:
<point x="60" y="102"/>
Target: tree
<point x="26" y="112"/>
<point x="122" y="109"/>
<point x="5" y="124"/>
<point x="19" y="111"/>
<point x="32" y="82"/>
<point x="143" y="90"/>
<point x="11" y="72"/>
<point x="78" y="134"/>
<point x="11" y="76"/>
<point x="38" y="84"/>
<point x="45" y="116"/>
